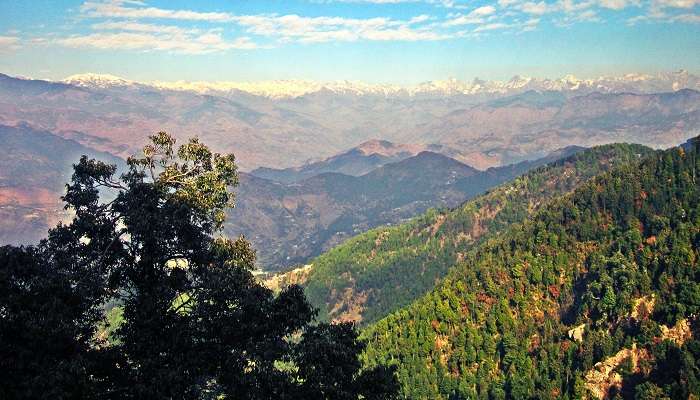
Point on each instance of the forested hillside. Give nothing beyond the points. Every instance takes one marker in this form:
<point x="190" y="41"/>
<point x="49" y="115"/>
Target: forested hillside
<point x="596" y="295"/>
<point x="384" y="269"/>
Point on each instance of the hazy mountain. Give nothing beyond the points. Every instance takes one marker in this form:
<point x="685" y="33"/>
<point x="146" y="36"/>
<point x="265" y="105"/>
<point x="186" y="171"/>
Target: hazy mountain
<point x="357" y="161"/>
<point x="117" y="119"/>
<point x="288" y="223"/>
<point x="34" y="168"/>
<point x="291" y="223"/>
<point x="484" y="123"/>
<point x="531" y="123"/>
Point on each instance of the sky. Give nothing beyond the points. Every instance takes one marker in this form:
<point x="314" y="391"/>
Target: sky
<point x="376" y="41"/>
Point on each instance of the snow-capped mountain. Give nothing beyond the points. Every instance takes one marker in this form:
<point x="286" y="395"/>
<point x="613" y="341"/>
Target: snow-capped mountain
<point x="285" y="89"/>
<point x="101" y="81"/>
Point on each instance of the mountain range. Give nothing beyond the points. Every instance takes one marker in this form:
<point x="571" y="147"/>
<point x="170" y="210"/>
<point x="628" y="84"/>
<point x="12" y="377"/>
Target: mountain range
<point x="305" y="192"/>
<point x="523" y="119"/>
<point x="577" y="279"/>
<point x="481" y="249"/>
<point x="634" y="83"/>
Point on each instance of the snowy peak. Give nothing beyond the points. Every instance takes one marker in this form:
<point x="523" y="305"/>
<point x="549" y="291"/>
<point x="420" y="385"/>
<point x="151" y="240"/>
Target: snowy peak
<point x="102" y="81"/>
<point x="273" y="89"/>
<point x="289" y="89"/>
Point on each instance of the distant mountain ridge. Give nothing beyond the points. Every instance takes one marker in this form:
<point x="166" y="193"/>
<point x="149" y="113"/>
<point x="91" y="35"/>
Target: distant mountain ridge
<point x="288" y="223"/>
<point x="357" y="161"/>
<point x="485" y="129"/>
<point x="639" y="83"/>
<point x="291" y="223"/>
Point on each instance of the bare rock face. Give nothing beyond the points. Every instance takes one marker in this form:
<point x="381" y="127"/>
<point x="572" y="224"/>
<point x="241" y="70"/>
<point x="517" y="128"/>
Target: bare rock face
<point x="604" y="376"/>
<point x="576" y="334"/>
<point x="678" y="333"/>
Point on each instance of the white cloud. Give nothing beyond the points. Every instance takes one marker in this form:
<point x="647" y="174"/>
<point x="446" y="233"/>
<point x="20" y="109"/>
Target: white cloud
<point x="146" y="41"/>
<point x="491" y="27"/>
<point x="665" y="18"/>
<point x="690" y="18"/>
<point x="669" y="11"/>
<point x="418" y="19"/>
<point x="476" y="16"/>
<point x="675" y="3"/>
<point x="484" y="10"/>
<point x="325" y="29"/>
<point x="116" y="9"/>
<point x="139" y="27"/>
<point x="284" y="28"/>
<point x="614" y="4"/>
<point x="9" y="43"/>
<point x="536" y="8"/>
<point x="129" y="24"/>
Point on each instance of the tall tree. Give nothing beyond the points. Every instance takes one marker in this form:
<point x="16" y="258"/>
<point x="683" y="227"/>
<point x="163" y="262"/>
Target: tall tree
<point x="196" y="323"/>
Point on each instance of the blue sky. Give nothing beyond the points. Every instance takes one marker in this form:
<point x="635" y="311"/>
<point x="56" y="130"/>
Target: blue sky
<point x="392" y="41"/>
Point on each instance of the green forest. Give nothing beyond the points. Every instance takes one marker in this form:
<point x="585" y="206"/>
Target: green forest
<point x="377" y="272"/>
<point x="595" y="294"/>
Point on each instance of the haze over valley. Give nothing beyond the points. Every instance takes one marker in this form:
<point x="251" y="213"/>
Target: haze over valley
<point x="293" y="202"/>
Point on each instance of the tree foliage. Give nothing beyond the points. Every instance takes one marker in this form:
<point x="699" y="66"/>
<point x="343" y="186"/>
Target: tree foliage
<point x="194" y="324"/>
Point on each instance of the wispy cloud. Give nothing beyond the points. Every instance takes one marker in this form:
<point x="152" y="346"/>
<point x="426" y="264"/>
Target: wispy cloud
<point x="476" y="16"/>
<point x="119" y="9"/>
<point x="669" y="11"/>
<point x="323" y="29"/>
<point x="491" y="27"/>
<point x="136" y="25"/>
<point x="281" y="28"/>
<point x="8" y="43"/>
<point x="140" y="27"/>
<point x="147" y="41"/>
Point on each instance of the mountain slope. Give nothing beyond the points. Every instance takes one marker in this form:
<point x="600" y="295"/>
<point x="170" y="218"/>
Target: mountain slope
<point x="596" y="293"/>
<point x="377" y="272"/>
<point x="291" y="223"/>
<point x="524" y="125"/>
